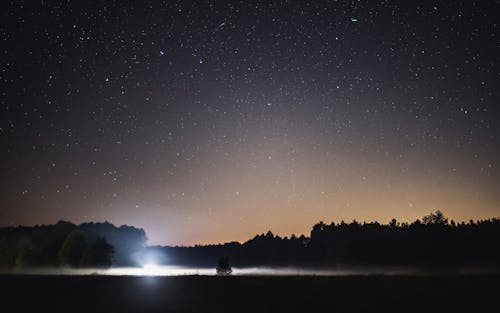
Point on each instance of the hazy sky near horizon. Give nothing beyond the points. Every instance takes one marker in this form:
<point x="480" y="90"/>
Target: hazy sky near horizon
<point x="212" y="121"/>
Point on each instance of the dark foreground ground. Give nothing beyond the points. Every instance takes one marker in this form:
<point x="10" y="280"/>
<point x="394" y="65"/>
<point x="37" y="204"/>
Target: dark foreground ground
<point x="479" y="293"/>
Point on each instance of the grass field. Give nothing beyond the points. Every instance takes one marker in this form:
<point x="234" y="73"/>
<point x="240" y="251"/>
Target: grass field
<point x="471" y="293"/>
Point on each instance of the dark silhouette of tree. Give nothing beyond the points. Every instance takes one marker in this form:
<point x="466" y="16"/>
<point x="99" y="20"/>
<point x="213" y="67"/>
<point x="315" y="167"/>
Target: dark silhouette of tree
<point x="29" y="257"/>
<point x="99" y="254"/>
<point x="393" y="223"/>
<point x="7" y="254"/>
<point x="436" y="218"/>
<point x="73" y="249"/>
<point x="128" y="242"/>
<point x="223" y="267"/>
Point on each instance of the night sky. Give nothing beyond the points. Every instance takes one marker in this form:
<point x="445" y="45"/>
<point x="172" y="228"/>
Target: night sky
<point x="212" y="121"/>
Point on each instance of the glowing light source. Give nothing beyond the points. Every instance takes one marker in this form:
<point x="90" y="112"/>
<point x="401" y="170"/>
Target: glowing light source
<point x="151" y="269"/>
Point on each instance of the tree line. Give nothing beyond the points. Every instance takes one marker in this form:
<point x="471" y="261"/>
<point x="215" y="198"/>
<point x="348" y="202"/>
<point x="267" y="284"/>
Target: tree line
<point x="67" y="244"/>
<point x="433" y="241"/>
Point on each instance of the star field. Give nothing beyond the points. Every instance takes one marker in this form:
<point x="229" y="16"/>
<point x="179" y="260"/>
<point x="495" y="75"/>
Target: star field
<point x="210" y="121"/>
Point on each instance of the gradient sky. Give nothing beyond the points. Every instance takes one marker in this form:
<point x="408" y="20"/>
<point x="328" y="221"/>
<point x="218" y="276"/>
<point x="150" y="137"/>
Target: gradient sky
<point x="211" y="121"/>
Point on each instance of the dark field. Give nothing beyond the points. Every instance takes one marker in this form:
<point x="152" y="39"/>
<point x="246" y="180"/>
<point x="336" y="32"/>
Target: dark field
<point x="250" y="293"/>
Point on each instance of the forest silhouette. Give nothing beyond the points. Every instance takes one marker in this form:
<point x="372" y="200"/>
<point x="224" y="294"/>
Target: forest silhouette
<point x="69" y="245"/>
<point x="432" y="242"/>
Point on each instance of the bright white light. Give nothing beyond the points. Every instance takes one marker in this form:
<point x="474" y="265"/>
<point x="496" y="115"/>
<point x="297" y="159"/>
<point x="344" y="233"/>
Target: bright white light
<point x="151" y="269"/>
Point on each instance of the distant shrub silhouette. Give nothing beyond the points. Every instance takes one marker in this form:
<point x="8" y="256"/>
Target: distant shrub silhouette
<point x="223" y="267"/>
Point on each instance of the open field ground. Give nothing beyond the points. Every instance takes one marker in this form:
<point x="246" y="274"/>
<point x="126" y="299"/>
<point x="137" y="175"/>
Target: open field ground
<point x="467" y="293"/>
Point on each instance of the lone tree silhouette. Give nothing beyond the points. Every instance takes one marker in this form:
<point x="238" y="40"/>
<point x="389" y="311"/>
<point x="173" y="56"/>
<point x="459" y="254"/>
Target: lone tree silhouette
<point x="223" y="267"/>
